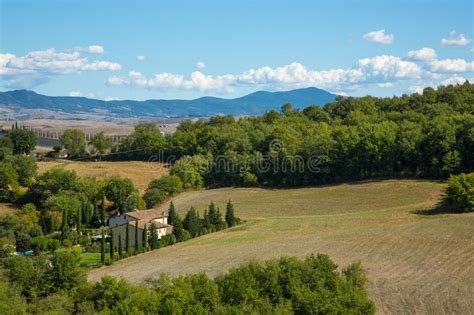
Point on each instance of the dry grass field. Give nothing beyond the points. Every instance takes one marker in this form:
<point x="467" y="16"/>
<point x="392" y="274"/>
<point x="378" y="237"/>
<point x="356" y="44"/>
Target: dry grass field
<point x="415" y="263"/>
<point x="140" y="173"/>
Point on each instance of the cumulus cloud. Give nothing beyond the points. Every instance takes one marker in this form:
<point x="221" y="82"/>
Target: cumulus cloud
<point x="116" y="80"/>
<point x="141" y="57"/>
<point x="457" y="40"/>
<point x="95" y="49"/>
<point x="379" y="37"/>
<point x="200" y="65"/>
<point x="295" y="75"/>
<point x="75" y="93"/>
<point x="385" y="85"/>
<point x="422" y="54"/>
<point x="38" y="66"/>
<point x="452" y="65"/>
<point x="455" y="79"/>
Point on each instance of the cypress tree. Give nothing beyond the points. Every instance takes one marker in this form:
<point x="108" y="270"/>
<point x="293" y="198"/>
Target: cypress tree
<point x="79" y="220"/>
<point x="84" y="213"/>
<point x="192" y="222"/>
<point x="178" y="230"/>
<point x="95" y="213"/>
<point x="154" y="236"/>
<point x="102" y="247"/>
<point x="136" y="236"/>
<point x="218" y="220"/>
<point x="229" y="214"/>
<point x="103" y="209"/>
<point x="145" y="239"/>
<point x="215" y="216"/>
<point x="112" y="247"/>
<point x="206" y="223"/>
<point x="127" y="239"/>
<point x="64" y="224"/>
<point x="120" y="246"/>
<point x="171" y="214"/>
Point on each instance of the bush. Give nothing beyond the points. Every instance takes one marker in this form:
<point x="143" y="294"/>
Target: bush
<point x="169" y="184"/>
<point x="153" y="197"/>
<point x="459" y="194"/>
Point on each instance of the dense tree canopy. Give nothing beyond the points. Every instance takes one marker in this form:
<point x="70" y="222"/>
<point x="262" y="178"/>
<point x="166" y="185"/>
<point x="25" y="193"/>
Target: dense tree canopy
<point x="23" y="141"/>
<point x="282" y="286"/>
<point x="75" y="141"/>
<point x="428" y="135"/>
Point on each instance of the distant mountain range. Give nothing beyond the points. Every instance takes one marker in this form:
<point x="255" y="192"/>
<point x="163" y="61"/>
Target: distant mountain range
<point x="32" y="104"/>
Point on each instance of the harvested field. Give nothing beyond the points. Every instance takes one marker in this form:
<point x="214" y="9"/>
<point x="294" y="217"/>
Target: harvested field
<point x="140" y="173"/>
<point x="415" y="263"/>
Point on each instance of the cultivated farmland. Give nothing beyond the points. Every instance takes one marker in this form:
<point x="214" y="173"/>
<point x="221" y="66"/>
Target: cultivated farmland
<point x="416" y="263"/>
<point x="140" y="173"/>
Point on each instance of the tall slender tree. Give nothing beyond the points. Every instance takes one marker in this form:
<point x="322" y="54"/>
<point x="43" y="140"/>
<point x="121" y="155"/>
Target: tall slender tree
<point x="103" y="209"/>
<point x="127" y="239"/>
<point x="154" y="236"/>
<point x="102" y="246"/>
<point x="145" y="239"/>
<point x="79" y="220"/>
<point x="229" y="214"/>
<point x="171" y="213"/>
<point x="120" y="252"/>
<point x="112" y="245"/>
<point x="65" y="223"/>
<point x="136" y="236"/>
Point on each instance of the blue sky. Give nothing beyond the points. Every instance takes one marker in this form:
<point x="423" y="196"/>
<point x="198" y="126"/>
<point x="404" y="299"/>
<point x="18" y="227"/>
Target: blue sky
<point x="188" y="49"/>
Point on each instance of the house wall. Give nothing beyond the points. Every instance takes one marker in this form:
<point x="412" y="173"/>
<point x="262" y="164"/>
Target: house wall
<point x="163" y="220"/>
<point x="119" y="220"/>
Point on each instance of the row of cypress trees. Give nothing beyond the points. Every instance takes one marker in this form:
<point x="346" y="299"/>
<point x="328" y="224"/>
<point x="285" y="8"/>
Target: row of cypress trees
<point x="191" y="226"/>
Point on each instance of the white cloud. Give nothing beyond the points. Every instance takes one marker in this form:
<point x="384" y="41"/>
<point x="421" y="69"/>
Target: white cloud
<point x="390" y="67"/>
<point x="422" y="54"/>
<point x="115" y="80"/>
<point x="75" y="93"/>
<point x="37" y="66"/>
<point x="452" y="65"/>
<point x="200" y="65"/>
<point x="379" y="37"/>
<point x="453" y="39"/>
<point x="141" y="57"/>
<point x="455" y="79"/>
<point x="95" y="49"/>
<point x="385" y="85"/>
<point x="417" y="88"/>
<point x="377" y="69"/>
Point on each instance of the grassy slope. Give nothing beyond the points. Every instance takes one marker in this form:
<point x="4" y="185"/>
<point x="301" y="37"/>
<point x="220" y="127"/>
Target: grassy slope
<point x="415" y="263"/>
<point x="140" y="173"/>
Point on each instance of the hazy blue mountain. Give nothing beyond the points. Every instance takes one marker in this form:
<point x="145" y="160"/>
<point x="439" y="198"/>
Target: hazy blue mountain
<point x="251" y="104"/>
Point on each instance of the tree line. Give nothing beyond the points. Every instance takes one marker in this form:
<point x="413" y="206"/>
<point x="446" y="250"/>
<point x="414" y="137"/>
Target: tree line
<point x="191" y="226"/>
<point x="41" y="285"/>
<point x="427" y="135"/>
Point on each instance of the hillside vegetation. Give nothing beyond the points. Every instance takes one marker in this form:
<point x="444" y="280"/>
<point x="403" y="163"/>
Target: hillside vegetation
<point x="416" y="263"/>
<point x="429" y="135"/>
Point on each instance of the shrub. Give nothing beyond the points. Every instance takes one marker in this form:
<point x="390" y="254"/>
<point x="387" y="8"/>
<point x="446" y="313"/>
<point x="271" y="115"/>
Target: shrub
<point x="459" y="194"/>
<point x="169" y="184"/>
<point x="153" y="197"/>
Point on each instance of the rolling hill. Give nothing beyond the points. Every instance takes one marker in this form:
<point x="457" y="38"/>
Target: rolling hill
<point x="416" y="263"/>
<point x="251" y="104"/>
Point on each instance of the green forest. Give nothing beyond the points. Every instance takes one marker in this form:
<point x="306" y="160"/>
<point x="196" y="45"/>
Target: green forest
<point x="429" y="135"/>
